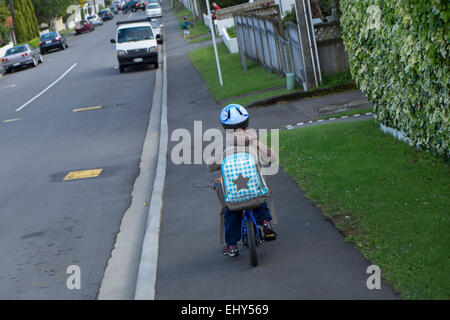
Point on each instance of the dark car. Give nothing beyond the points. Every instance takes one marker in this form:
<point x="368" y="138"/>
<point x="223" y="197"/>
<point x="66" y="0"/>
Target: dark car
<point x="140" y="5"/>
<point x="52" y="40"/>
<point x="106" y="15"/>
<point x="113" y="10"/>
<point x="133" y="6"/>
<point x="84" y="26"/>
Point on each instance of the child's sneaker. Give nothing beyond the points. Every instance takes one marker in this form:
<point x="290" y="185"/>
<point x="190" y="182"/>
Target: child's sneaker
<point x="269" y="233"/>
<point x="231" y="251"/>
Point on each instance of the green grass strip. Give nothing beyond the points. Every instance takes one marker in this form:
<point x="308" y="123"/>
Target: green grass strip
<point x="389" y="199"/>
<point x="236" y="81"/>
<point x="196" y="40"/>
<point x="255" y="97"/>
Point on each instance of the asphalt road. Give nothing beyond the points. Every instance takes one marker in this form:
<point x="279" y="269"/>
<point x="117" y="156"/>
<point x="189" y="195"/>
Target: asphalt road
<point x="47" y="224"/>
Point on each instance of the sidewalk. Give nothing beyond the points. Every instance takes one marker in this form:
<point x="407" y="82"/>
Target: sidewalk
<point x="310" y="260"/>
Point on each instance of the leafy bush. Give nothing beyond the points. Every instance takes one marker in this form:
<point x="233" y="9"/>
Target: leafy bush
<point x="34" y="42"/>
<point x="325" y="6"/>
<point x="403" y="65"/>
<point x="231" y="32"/>
<point x="290" y="16"/>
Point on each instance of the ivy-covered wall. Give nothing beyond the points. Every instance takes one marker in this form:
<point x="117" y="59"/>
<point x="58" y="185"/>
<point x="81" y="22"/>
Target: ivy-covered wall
<point x="399" y="57"/>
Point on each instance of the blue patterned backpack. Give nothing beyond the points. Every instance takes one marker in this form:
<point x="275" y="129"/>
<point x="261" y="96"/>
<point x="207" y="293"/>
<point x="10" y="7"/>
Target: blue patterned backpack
<point x="243" y="185"/>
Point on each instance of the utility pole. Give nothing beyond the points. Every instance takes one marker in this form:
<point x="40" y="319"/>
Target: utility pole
<point x="11" y="7"/>
<point x="306" y="43"/>
<point x="214" y="42"/>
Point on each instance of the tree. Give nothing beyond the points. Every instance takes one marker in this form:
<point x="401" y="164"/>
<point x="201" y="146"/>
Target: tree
<point x="20" y="27"/>
<point x="21" y="15"/>
<point x="48" y="10"/>
<point x="4" y="13"/>
<point x="25" y="23"/>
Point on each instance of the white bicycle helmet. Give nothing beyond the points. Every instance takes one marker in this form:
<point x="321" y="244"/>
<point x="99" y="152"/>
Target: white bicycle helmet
<point x="234" y="116"/>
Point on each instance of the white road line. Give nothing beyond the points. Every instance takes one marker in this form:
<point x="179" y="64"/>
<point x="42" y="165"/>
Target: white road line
<point x="46" y="89"/>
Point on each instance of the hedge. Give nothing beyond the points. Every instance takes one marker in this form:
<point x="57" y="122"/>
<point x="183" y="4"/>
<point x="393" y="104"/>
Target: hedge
<point x="402" y="65"/>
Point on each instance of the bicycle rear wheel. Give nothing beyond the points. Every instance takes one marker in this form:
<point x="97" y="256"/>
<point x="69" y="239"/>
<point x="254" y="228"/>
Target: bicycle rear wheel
<point x="251" y="237"/>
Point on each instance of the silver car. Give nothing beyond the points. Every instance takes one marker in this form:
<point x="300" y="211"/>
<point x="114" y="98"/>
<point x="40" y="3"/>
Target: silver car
<point x="95" y="20"/>
<point x="20" y="56"/>
<point x="153" y="10"/>
<point x="157" y="30"/>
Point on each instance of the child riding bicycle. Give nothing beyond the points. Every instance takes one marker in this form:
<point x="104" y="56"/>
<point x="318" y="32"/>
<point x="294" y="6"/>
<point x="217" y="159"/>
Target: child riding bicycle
<point x="235" y="118"/>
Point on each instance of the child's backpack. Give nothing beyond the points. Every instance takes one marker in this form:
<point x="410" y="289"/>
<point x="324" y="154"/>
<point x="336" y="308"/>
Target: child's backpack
<point x="243" y="185"/>
<point x="183" y="25"/>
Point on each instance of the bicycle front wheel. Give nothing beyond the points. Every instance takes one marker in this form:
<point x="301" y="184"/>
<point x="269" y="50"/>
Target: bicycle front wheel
<point x="251" y="237"/>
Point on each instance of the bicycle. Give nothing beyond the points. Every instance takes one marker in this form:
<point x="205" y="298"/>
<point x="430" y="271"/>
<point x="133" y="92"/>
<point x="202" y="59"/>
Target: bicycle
<point x="252" y="239"/>
<point x="251" y="236"/>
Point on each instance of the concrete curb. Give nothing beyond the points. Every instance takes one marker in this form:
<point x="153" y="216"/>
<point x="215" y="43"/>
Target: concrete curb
<point x="301" y="95"/>
<point x="148" y="267"/>
<point x="365" y="116"/>
<point x="119" y="281"/>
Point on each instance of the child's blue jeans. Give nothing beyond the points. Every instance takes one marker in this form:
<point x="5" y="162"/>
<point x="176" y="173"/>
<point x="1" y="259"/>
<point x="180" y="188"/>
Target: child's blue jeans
<point x="233" y="221"/>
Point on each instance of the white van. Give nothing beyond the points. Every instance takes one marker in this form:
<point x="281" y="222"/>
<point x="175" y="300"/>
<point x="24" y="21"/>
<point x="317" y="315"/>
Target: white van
<point x="135" y="43"/>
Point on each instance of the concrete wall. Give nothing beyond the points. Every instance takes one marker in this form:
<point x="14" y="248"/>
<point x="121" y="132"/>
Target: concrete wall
<point x="332" y="56"/>
<point x="219" y="24"/>
<point x="230" y="43"/>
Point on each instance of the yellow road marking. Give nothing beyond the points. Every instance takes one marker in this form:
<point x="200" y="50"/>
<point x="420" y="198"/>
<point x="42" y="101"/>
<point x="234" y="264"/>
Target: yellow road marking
<point x="11" y="120"/>
<point x="87" y="109"/>
<point x="83" y="174"/>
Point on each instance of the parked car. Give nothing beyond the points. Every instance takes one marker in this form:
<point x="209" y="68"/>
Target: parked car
<point x="153" y="10"/>
<point x="95" y="20"/>
<point x="140" y="5"/>
<point x="157" y="30"/>
<point x="117" y="4"/>
<point x="130" y="6"/>
<point x="106" y="14"/>
<point x="52" y="40"/>
<point x="84" y="26"/>
<point x="135" y="43"/>
<point x="21" y="56"/>
<point x="133" y="6"/>
<point x="113" y="10"/>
